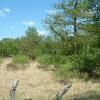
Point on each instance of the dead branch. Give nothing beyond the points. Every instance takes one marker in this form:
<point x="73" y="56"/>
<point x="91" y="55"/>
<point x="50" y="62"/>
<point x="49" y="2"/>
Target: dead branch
<point x="62" y="92"/>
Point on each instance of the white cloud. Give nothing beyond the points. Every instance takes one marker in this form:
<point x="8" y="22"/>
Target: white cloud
<point x="51" y="12"/>
<point x="28" y="22"/>
<point x="42" y="33"/>
<point x="4" y="11"/>
<point x="7" y="10"/>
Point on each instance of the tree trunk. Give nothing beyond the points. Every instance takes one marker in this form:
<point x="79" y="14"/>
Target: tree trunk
<point x="75" y="17"/>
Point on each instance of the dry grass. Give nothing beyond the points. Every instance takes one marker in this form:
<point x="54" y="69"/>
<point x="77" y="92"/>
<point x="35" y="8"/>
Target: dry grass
<point x="34" y="82"/>
<point x="39" y="84"/>
<point x="82" y="90"/>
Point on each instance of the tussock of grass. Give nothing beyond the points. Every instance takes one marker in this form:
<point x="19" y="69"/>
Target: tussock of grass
<point x="20" y="59"/>
<point x="64" y="71"/>
<point x="46" y="59"/>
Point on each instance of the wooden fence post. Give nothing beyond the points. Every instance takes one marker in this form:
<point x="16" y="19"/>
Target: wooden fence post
<point x="13" y="89"/>
<point x="62" y="92"/>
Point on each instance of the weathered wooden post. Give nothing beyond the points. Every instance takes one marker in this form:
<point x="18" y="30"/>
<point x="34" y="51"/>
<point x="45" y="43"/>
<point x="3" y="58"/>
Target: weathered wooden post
<point x="62" y="92"/>
<point x="13" y="89"/>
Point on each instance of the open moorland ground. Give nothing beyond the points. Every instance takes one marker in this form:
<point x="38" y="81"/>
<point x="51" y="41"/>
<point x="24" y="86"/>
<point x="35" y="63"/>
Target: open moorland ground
<point x="41" y="85"/>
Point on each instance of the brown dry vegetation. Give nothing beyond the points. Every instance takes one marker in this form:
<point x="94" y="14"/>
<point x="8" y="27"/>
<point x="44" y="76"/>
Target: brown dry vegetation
<point x="34" y="83"/>
<point x="41" y="85"/>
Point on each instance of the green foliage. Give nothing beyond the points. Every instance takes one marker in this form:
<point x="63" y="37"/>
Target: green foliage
<point x="46" y="59"/>
<point x="87" y="62"/>
<point x="20" y="59"/>
<point x="83" y="47"/>
<point x="28" y="45"/>
<point x="53" y="59"/>
<point x="65" y="71"/>
<point x="8" y="47"/>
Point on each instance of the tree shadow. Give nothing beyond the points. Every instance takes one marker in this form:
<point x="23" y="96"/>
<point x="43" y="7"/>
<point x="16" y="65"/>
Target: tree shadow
<point x="89" y="95"/>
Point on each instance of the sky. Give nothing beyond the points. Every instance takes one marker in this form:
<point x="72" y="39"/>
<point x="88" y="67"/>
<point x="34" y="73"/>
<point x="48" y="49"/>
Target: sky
<point x="17" y="15"/>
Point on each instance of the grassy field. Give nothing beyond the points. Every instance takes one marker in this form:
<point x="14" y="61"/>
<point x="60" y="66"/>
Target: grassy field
<point x="41" y="85"/>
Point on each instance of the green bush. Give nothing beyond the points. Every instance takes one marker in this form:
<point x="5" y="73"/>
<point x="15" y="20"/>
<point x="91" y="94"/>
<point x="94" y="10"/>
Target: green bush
<point x="20" y="59"/>
<point x="8" y="47"/>
<point x="52" y="59"/>
<point x="46" y="59"/>
<point x="83" y="65"/>
<point x="87" y="62"/>
<point x="65" y="71"/>
<point x="61" y="59"/>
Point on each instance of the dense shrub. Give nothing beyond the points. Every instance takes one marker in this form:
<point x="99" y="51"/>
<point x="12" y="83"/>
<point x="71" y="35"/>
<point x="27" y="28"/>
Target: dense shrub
<point x="8" y="47"/>
<point x="65" y="71"/>
<point x="87" y="62"/>
<point x="53" y="59"/>
<point x="46" y="59"/>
